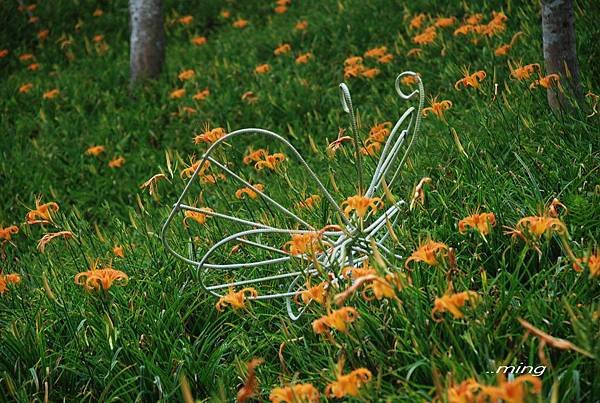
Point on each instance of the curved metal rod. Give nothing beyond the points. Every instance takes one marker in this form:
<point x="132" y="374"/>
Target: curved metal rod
<point x="415" y="130"/>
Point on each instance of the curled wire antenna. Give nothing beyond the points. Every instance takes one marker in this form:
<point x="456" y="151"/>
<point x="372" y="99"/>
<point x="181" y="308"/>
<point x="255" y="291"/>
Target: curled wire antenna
<point x="347" y="244"/>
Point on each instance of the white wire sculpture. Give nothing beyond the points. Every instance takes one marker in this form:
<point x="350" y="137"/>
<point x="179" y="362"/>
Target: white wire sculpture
<point x="348" y="244"/>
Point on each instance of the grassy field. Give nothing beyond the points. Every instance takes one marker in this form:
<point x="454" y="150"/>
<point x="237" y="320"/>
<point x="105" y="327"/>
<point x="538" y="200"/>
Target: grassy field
<point x="497" y="148"/>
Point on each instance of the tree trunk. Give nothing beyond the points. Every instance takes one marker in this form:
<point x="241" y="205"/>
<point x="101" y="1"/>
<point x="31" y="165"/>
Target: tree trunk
<point x="560" y="54"/>
<point x="147" y="48"/>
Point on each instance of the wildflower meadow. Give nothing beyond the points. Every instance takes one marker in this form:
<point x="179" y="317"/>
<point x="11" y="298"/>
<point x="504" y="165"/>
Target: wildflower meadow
<point x="427" y="231"/>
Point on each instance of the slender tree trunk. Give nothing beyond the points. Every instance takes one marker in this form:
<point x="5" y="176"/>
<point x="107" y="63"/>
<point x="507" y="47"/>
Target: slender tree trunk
<point x="560" y="54"/>
<point x="147" y="48"/>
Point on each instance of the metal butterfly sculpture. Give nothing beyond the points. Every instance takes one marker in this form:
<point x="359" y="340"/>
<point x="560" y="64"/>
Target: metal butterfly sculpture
<point x="277" y="272"/>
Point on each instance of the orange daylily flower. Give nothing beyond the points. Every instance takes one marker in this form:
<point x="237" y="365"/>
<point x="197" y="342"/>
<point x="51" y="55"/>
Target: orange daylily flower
<point x="282" y="49"/>
<point x="196" y="216"/>
<point x="470" y="80"/>
<point x="43" y="34"/>
<point x="380" y="286"/>
<point x="6" y="233"/>
<point x="419" y="193"/>
<point x="186" y="109"/>
<point x="464" y="392"/>
<point x="270" y="161"/>
<point x="353" y="71"/>
<point x="250" y="387"/>
<point x="23" y="89"/>
<point x="553" y="208"/>
<point x="380" y="131"/>
<point x="303" y="244"/>
<point x="349" y="384"/>
<point x="262" y="69"/>
<point x="551" y="80"/>
<point x="212" y="179"/>
<point x="236" y="300"/>
<point x="118" y="251"/>
<point x="317" y="293"/>
<point x="502" y="50"/>
<point x="371" y="148"/>
<point x="443" y="22"/>
<point x="98" y="38"/>
<point x="33" y="19"/>
<point x="417" y="21"/>
<point x="151" y="183"/>
<point x="474" y="19"/>
<point x="186" y="20"/>
<point x="225" y="13"/>
<point x="514" y="391"/>
<point x="426" y="37"/>
<point x="336" y="144"/>
<point x="95" y="278"/>
<point x="249" y="97"/>
<point x="592" y="261"/>
<point x="255" y="156"/>
<point x="3" y="53"/>
<point x="301" y="25"/>
<point x="304" y="58"/>
<point x="452" y="302"/>
<point x="437" y="108"/>
<point x="415" y="52"/>
<point x="116" y="162"/>
<point x="178" y="93"/>
<point x="209" y="136"/>
<point x="6" y="279"/>
<point x="98" y="12"/>
<point x="496" y="25"/>
<point x="594" y="103"/>
<point x="540" y="225"/>
<point x="33" y="67"/>
<point x="338" y="320"/>
<point x="280" y="9"/>
<point x="482" y="223"/>
<point x="370" y="73"/>
<point x="248" y="191"/>
<point x="95" y="150"/>
<point x="240" y="23"/>
<point x="361" y="205"/>
<point x="376" y="53"/>
<point x="186" y="74"/>
<point x="189" y="171"/>
<point x="353" y="61"/>
<point x="30" y="8"/>
<point x="199" y="40"/>
<point x="51" y="94"/>
<point x="201" y="95"/>
<point x="309" y="202"/>
<point x="387" y="58"/>
<point x="25" y="57"/>
<point x="357" y="272"/>
<point x="47" y="238"/>
<point x="463" y="30"/>
<point x="42" y="214"/>
<point x="428" y="252"/>
<point x="524" y="72"/>
<point x="303" y="392"/>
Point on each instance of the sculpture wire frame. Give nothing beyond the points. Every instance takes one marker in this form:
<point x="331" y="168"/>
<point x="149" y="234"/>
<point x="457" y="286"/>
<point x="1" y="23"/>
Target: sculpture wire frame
<point x="349" y="246"/>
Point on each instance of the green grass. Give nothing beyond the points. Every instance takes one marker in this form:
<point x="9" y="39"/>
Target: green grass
<point x="135" y="342"/>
